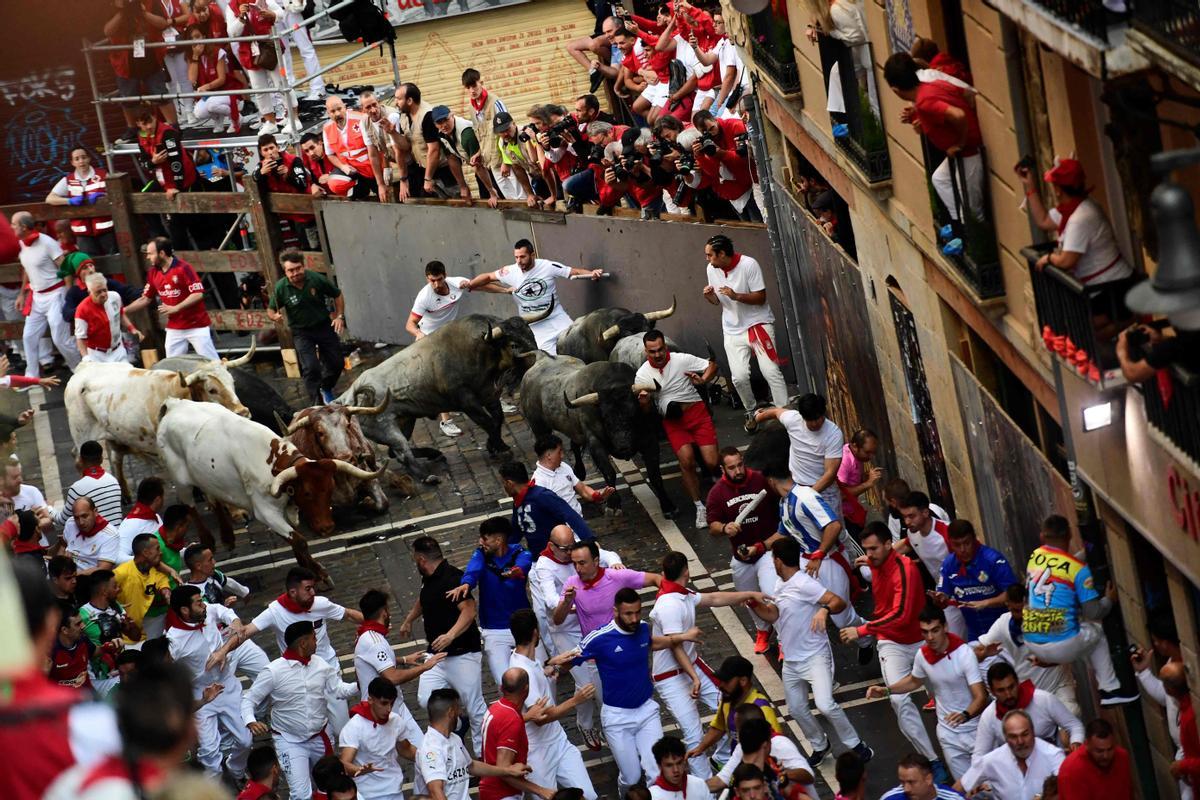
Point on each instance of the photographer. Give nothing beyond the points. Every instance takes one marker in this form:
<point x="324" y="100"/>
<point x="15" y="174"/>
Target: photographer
<point x="139" y="70"/>
<point x="674" y="166"/>
<point x="280" y="171"/>
<point x="722" y="155"/>
<point x="556" y="134"/>
<point x="584" y="186"/>
<point x="1143" y="350"/>
<point x="630" y="171"/>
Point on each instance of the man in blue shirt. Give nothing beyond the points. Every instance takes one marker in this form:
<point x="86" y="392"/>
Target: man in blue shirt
<point x="500" y="568"/>
<point x="537" y="510"/>
<point x="916" y="781"/>
<point x="630" y="715"/>
<point x="974" y="578"/>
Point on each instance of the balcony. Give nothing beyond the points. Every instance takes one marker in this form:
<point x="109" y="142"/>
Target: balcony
<point x="969" y="243"/>
<point x="1065" y="312"/>
<point x="1174" y="24"/>
<point x="784" y="74"/>
<point x="771" y="44"/>
<point x="854" y="106"/>
<point x="1085" y="15"/>
<point x="1173" y="409"/>
<point x="1081" y="31"/>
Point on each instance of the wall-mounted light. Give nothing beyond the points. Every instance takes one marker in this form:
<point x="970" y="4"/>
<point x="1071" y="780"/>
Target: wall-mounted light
<point x="1098" y="416"/>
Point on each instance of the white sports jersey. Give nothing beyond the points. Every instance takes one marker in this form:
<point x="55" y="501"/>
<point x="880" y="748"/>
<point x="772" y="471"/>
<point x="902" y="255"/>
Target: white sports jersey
<point x="534" y="291"/>
<point x="443" y="758"/>
<point x="434" y="309"/>
<point x="673" y="612"/>
<point x="372" y="655"/>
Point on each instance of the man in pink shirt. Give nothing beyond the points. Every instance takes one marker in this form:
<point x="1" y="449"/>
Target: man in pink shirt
<point x="855" y="478"/>
<point x="591" y="590"/>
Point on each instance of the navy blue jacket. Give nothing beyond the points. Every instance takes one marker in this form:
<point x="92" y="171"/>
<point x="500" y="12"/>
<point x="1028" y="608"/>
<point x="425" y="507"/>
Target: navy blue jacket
<point x="535" y="513"/>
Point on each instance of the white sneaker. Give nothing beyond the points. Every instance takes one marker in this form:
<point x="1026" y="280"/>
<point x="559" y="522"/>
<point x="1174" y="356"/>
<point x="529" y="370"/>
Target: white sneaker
<point x="508" y="408"/>
<point x="701" y="518"/>
<point x="233" y="128"/>
<point x="449" y="428"/>
<point x="219" y="127"/>
<point x="288" y="129"/>
<point x="268" y="127"/>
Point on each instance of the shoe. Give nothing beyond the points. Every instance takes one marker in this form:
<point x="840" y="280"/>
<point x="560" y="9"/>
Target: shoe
<point x="762" y="642"/>
<point x="592" y="738"/>
<point x="701" y="518"/>
<point x="233" y="128"/>
<point x="508" y="408"/>
<point x="448" y="428"/>
<point x="289" y="129"/>
<point x="940" y="773"/>
<point x="326" y="396"/>
<point x="1117" y="697"/>
<point x="315" y="96"/>
<point x="597" y="78"/>
<point x="841" y="131"/>
<point x="818" y="756"/>
<point x="863" y="752"/>
<point x="930" y="706"/>
<point x="219" y="127"/>
<point x="598" y="731"/>
<point x="866" y="654"/>
<point x="946" y="232"/>
<point x="268" y="127"/>
<point x="954" y="247"/>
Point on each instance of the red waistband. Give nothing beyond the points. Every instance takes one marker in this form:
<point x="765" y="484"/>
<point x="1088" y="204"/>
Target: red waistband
<point x="707" y="670"/>
<point x="58" y="285"/>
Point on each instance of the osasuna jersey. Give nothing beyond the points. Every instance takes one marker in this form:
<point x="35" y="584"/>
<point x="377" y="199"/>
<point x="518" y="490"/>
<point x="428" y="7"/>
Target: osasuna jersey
<point x="803" y="515"/>
<point x="435" y="310"/>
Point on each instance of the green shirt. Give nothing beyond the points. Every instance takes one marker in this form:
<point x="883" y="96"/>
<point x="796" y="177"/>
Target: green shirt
<point x="305" y="306"/>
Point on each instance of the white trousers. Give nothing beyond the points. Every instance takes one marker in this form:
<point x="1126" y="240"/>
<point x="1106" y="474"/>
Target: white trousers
<point x="757" y="577"/>
<point x="115" y="356"/>
<point x="213" y="110"/>
<point x="957" y="624"/>
<point x="462" y="674"/>
<point x="958" y="745"/>
<point x="177" y="69"/>
<point x="1089" y="643"/>
<point x="153" y="627"/>
<point x="224" y="713"/>
<point x="47" y="312"/>
<point x="973" y="167"/>
<point x="834" y="578"/>
<point x="249" y="659"/>
<point x="296" y="760"/>
<point x="308" y="53"/>
<point x="498" y="645"/>
<point x="676" y="694"/>
<point x="631" y="733"/>
<point x="738" y="351"/>
<point x="8" y="311"/>
<point x="266" y="79"/>
<point x="896" y="662"/>
<point x="176" y="341"/>
<point x="815" y="674"/>
<point x="558" y="763"/>
<point x="567" y="637"/>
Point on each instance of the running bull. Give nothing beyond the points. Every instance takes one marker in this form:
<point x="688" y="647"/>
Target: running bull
<point x="593" y="336"/>
<point x="266" y="405"/>
<point x="595" y="405"/>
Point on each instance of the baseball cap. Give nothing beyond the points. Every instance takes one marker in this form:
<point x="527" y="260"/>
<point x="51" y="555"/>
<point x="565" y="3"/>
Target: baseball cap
<point x="734" y="667"/>
<point x="1067" y="172"/>
<point x="501" y="122"/>
<point x="440" y="113"/>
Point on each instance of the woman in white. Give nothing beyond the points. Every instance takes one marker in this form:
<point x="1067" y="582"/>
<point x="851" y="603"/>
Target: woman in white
<point x="293" y="31"/>
<point x="258" y="58"/>
<point x="843" y="20"/>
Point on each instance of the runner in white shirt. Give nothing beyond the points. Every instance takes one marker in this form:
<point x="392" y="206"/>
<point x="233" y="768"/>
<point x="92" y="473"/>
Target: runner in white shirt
<point x="555" y="761"/>
<point x="89" y="539"/>
<point x="531" y="281"/>
<point x="1047" y="713"/>
<point x="143" y="517"/>
<point x="379" y="730"/>
<point x="815" y="447"/>
<point x="799" y="611"/>
<point x="436" y="304"/>
<point x="40" y="256"/>
<point x="1018" y="769"/>
<point x="300" y="686"/>
<point x="929" y="538"/>
<point x="196" y="644"/>
<point x="947" y="667"/>
<point x="674" y="782"/>
<point x="555" y="474"/>
<point x="25" y="497"/>
<point x="894" y="493"/>
<point x="681" y="677"/>
<point x="373" y="654"/>
<point x="444" y="767"/>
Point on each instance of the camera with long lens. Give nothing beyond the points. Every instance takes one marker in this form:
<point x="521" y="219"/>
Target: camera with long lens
<point x="686" y="164"/>
<point x="741" y="144"/>
<point x="595" y="155"/>
<point x="677" y="198"/>
<point x="560" y="131"/>
<point x="708" y="145"/>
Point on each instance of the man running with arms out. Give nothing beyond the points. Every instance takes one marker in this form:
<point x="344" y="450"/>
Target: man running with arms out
<point x="590" y="591"/>
<point x="530" y="280"/>
<point x="180" y="293"/>
<point x="379" y="729"/>
<point x="373" y="654"/>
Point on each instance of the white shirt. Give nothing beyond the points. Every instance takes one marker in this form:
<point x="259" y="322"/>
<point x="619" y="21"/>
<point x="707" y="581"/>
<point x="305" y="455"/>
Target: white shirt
<point x="372" y="655"/>
<point x="687" y="55"/>
<point x="896" y="525"/>
<point x="61" y="190"/>
<point x="950" y="680"/>
<point x="674" y="386"/>
<point x="999" y="768"/>
<point x="561" y="481"/>
<point x="672" y="613"/>
<point x="746" y="276"/>
<point x="533" y="292"/>
<point x="298" y="695"/>
<point x="112" y="307"/>
<point x="88" y="552"/>
<point x="1048" y="714"/>
<point x="442" y="758"/>
<point x="104" y="492"/>
<point x="696" y="789"/>
<point x="130" y="529"/>
<point x="38" y="259"/>
<point x="1153" y="686"/>
<point x="546" y="580"/>
<point x="728" y="56"/>
<point x="191" y="649"/>
<point x="808" y="450"/>
<point x="1089" y="234"/>
<point x="218" y="586"/>
<point x="276" y="617"/>
<point x="931" y="548"/>
<point x="1051" y="679"/>
<point x="541" y="737"/>
<point x="798" y="599"/>
<point x="376" y="744"/>
<point x="785" y="753"/>
<point x="29" y="498"/>
<point x="434" y="309"/>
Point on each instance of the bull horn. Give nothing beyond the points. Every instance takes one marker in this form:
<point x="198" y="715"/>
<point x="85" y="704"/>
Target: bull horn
<point x="371" y="411"/>
<point x="528" y="354"/>
<point x="356" y="472"/>
<point x="589" y="399"/>
<point x="289" y="474"/>
<point x="645" y="387"/>
<point x="494" y="332"/>
<point x="245" y="359"/>
<point x="192" y="378"/>
<point x="666" y="312"/>
<point x="297" y="424"/>
<point x="283" y="426"/>
<point x="541" y="315"/>
<point x="611" y="332"/>
<point x="183" y="379"/>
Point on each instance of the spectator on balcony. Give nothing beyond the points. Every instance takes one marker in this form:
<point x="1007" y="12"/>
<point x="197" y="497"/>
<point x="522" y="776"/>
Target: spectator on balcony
<point x="1143" y="350"/>
<point x="666" y="36"/>
<point x="630" y="174"/>
<point x="587" y="111"/>
<point x="1087" y="247"/>
<point x="485" y="106"/>
<point x="175" y="58"/>
<point x="344" y="146"/>
<point x="281" y="172"/>
<point x="294" y="32"/>
<point x="209" y="71"/>
<point x="458" y="143"/>
<point x="606" y="64"/>
<point x="584" y="186"/>
<point x="139" y="71"/>
<point x="329" y="179"/>
<point x="84" y="185"/>
<point x="382" y="138"/>
<point x="722" y="155"/>
<point x="842" y="21"/>
<point x="936" y="65"/>
<point x="943" y="114"/>
<point x="556" y="135"/>
<point x="261" y="59"/>
<point x="419" y="159"/>
<point x="735" y="80"/>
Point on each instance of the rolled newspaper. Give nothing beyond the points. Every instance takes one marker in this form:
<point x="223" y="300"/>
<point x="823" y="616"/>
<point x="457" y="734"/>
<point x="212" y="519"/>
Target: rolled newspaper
<point x="749" y="507"/>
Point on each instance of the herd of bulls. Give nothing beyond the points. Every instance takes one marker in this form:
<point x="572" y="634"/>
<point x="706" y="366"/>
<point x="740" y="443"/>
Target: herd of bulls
<point x="221" y="430"/>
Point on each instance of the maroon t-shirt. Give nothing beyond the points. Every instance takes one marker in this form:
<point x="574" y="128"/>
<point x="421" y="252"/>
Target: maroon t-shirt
<point x="726" y="500"/>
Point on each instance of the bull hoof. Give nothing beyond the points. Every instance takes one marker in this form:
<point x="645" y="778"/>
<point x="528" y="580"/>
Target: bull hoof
<point x="432" y="480"/>
<point x="614" y="512"/>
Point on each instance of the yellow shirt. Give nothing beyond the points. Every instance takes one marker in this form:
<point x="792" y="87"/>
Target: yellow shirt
<point x="136" y="591"/>
<point x="725" y="720"/>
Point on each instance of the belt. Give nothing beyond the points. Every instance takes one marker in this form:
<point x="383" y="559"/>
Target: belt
<point x="662" y="676"/>
<point x="58" y="285"/>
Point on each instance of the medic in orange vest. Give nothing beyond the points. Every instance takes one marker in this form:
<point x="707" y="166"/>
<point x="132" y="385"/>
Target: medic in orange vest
<point x="344" y="137"/>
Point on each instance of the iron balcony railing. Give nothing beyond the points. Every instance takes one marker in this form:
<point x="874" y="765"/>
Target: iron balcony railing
<point x="1086" y="15"/>
<point x="853" y="105"/>
<point x="1173" y="408"/>
<point x="784" y="74"/>
<point x="1173" y="23"/>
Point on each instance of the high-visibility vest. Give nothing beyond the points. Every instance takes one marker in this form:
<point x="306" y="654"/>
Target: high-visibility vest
<point x="351" y="147"/>
<point x="88" y="190"/>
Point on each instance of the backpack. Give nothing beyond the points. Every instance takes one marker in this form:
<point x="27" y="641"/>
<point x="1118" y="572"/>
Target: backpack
<point x="362" y="20"/>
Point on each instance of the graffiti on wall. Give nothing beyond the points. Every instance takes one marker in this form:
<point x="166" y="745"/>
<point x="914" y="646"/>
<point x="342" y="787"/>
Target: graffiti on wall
<point x="40" y="127"/>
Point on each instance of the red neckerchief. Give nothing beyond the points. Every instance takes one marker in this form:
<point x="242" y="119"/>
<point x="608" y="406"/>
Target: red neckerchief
<point x="1065" y="209"/>
<point x="663" y="369"/>
<point x="292" y="655"/>
<point x="363" y="710"/>
<point x="520" y="498"/>
<point x="371" y="625"/>
<point x="141" y="511"/>
<point x="29" y="240"/>
<point x="93" y="472"/>
<point x="1024" y="698"/>
<point x="175" y="621"/>
<point x="733" y="262"/>
<point x="481" y="102"/>
<point x="593" y="581"/>
<point x="671" y="587"/>
<point x="254" y="791"/>
<point x="549" y="553"/>
<point x="290" y="605"/>
<point x="661" y="783"/>
<point x="150" y="776"/>
<point x="100" y="524"/>
<point x="933" y="657"/>
<point x="175" y="548"/>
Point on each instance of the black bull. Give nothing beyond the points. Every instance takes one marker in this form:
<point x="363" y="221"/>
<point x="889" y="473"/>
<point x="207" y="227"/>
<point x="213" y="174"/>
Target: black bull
<point x="593" y="336"/>
<point x="595" y="405"/>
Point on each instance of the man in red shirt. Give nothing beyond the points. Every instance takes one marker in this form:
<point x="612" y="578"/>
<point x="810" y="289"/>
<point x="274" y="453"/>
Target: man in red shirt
<point x="718" y="148"/>
<point x="943" y="114"/>
<point x="1098" y="769"/>
<point x="71" y="650"/>
<point x="181" y="300"/>
<point x="504" y="740"/>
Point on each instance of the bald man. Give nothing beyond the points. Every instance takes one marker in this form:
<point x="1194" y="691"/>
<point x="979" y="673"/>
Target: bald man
<point x="504" y="739"/>
<point x="40" y="257"/>
<point x="346" y="143"/>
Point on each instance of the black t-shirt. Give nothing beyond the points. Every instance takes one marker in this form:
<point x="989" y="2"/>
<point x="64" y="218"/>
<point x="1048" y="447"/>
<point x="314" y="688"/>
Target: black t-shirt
<point x="440" y="614"/>
<point x="429" y="129"/>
